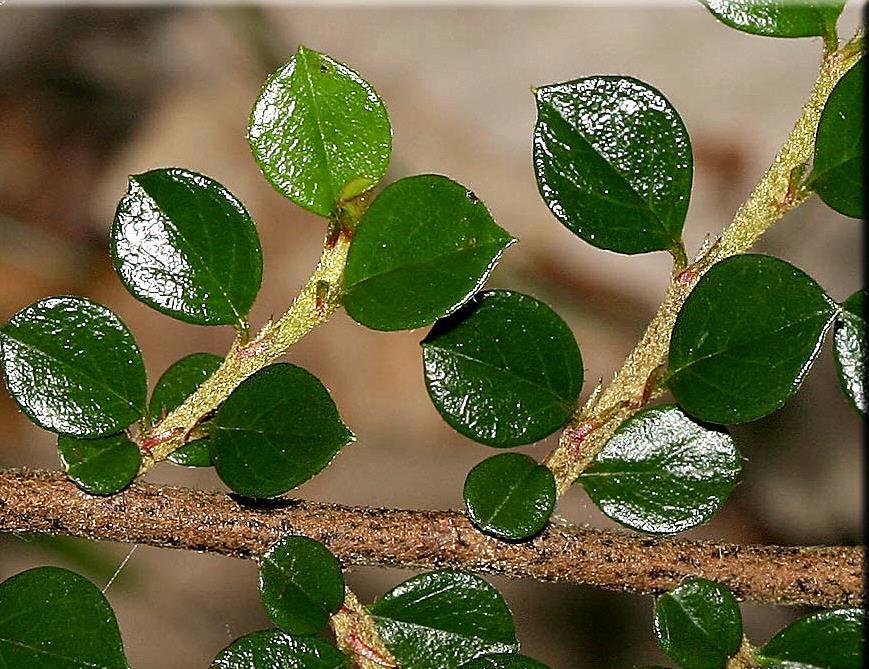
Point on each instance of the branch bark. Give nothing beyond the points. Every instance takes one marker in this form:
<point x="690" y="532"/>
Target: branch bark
<point x="47" y="502"/>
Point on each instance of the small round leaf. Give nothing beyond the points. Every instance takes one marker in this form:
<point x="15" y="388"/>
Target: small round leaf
<point x="101" y="466"/>
<point x="184" y="245"/>
<point x="774" y="18"/>
<point x="504" y="661"/>
<point x="849" y="340"/>
<point x="301" y="585"/>
<point x="270" y="649"/>
<point x="504" y="370"/>
<point x="275" y="431"/>
<point x="661" y="472"/>
<point x="824" y="640"/>
<point x="319" y="132"/>
<point x="510" y="496"/>
<point x="74" y="367"/>
<point x="745" y="338"/>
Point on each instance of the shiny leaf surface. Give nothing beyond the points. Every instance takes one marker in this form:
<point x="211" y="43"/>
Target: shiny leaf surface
<point x="319" y="132"/>
<point x="775" y="18"/>
<point x="825" y="640"/>
<point x="849" y="349"/>
<point x="510" y="496"/>
<point x="613" y="163"/>
<point x="421" y="250"/>
<point x="185" y="246"/>
<point x="662" y="472"/>
<point x="745" y="338"/>
<point x="504" y="661"/>
<point x="101" y="466"/>
<point x="275" y="431"/>
<point x="73" y="367"/>
<point x="272" y="649"/>
<point x="504" y="370"/>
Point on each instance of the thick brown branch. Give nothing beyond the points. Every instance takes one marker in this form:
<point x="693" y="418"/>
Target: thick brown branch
<point x="46" y="502"/>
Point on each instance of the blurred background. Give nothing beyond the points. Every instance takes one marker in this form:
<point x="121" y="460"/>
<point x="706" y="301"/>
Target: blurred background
<point x="88" y="96"/>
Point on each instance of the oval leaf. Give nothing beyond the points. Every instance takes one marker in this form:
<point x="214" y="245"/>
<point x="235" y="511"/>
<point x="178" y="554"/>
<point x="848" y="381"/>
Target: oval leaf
<point x="698" y="625"/>
<point x="319" y="132"/>
<point x="269" y="649"/>
<point x="825" y="640"/>
<point x="849" y="340"/>
<point x="745" y="338"/>
<point x="661" y="472"/>
<point x="443" y="619"/>
<point x="301" y="585"/>
<point x="275" y="431"/>
<point x="774" y="18"/>
<point x="185" y="246"/>
<point x="613" y="163"/>
<point x="505" y="370"/>
<point x="74" y="367"/>
<point x="101" y="466"/>
<point x="510" y="496"/>
<point x="504" y="661"/>
<point x="838" y="173"/>
<point x="55" y="619"/>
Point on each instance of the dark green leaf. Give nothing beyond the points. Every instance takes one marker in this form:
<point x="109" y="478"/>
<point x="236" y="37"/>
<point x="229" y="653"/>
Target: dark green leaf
<point x="698" y="624"/>
<point x="839" y="170"/>
<point x="301" y="585"/>
<point x="505" y="370"/>
<point x="74" y="367"/>
<point x="272" y="649"/>
<point x="177" y="383"/>
<point x="319" y="132"/>
<point x="825" y="640"/>
<point x="51" y="618"/>
<point x="661" y="472"/>
<point x="101" y="466"/>
<point x="421" y="250"/>
<point x="779" y="18"/>
<point x="185" y="246"/>
<point x="613" y="163"/>
<point x="275" y="431"/>
<point x="443" y="619"/>
<point x="510" y="496"/>
<point x="849" y="339"/>
<point x="745" y="338"/>
<point x="504" y="661"/>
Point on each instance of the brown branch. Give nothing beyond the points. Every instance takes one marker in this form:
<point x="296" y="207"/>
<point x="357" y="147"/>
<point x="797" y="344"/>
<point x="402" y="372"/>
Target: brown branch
<point x="46" y="502"/>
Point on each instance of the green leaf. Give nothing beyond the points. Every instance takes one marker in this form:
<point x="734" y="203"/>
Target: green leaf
<point x="443" y="619"/>
<point x="778" y="18"/>
<point x="319" y="132"/>
<point x="275" y="431"/>
<point x="73" y="367"/>
<point x="745" y="338"/>
<point x="177" y="383"/>
<point x="504" y="661"/>
<point x="698" y="625"/>
<point x="662" y="472"/>
<point x="272" y="649"/>
<point x="51" y="618"/>
<point x="301" y="585"/>
<point x="849" y="350"/>
<point x="420" y="251"/>
<point x="101" y="466"/>
<point x="505" y="370"/>
<point x="613" y="163"/>
<point x="838" y="174"/>
<point x="510" y="496"/>
<point x="185" y="246"/>
<point x="824" y="640"/>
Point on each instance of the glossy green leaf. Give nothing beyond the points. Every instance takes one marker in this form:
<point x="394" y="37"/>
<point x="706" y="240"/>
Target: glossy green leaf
<point x="849" y="349"/>
<point x="504" y="661"/>
<point x="272" y="649"/>
<point x="420" y="251"/>
<point x="745" y="338"/>
<point x="177" y="383"/>
<point x="101" y="466"/>
<point x="698" y="624"/>
<point x="275" y="431"/>
<point x="442" y="620"/>
<point x="839" y="169"/>
<point x="662" y="472"/>
<point x="301" y="584"/>
<point x="185" y="246"/>
<point x="73" y="367"/>
<point x="779" y="18"/>
<point x="504" y="370"/>
<point x="510" y="496"/>
<point x="319" y="132"/>
<point x="51" y="618"/>
<point x="613" y="163"/>
<point x="825" y="640"/>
